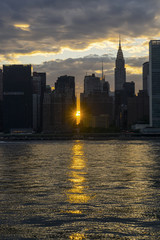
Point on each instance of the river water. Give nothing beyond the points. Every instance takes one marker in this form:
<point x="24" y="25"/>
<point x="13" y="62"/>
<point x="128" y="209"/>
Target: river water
<point x="80" y="190"/>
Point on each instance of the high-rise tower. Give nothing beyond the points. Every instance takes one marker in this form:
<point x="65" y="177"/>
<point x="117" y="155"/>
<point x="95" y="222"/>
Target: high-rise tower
<point x="120" y="71"/>
<point x="154" y="82"/>
<point x="17" y="97"/>
<point x="146" y="77"/>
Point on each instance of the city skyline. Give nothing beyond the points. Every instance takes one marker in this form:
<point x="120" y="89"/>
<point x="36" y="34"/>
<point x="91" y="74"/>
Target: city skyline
<point x="73" y="37"/>
<point x="56" y="110"/>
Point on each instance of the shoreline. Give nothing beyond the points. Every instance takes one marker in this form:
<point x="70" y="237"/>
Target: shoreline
<point x="82" y="136"/>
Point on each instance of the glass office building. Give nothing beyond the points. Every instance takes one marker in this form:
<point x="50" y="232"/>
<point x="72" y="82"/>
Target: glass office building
<point x="154" y="88"/>
<point x="17" y="97"/>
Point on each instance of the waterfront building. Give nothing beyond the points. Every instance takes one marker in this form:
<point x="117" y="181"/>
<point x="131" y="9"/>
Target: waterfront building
<point x="59" y="106"/>
<point x="121" y="104"/>
<point x="95" y="103"/>
<point x="42" y="76"/>
<point x="1" y="85"/>
<point x="36" y="97"/>
<point x="154" y="82"/>
<point x="138" y="109"/>
<point x="48" y="113"/>
<point x="64" y="103"/>
<point x="39" y="88"/>
<point x="100" y="121"/>
<point x="146" y="77"/>
<point x="98" y="108"/>
<point x="1" y="100"/>
<point x="17" y="97"/>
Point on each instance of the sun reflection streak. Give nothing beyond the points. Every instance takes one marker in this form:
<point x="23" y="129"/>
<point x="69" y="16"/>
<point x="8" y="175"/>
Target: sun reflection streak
<point x="77" y="194"/>
<point x="77" y="176"/>
<point x="77" y="236"/>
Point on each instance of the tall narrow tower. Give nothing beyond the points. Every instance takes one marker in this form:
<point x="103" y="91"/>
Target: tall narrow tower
<point x="103" y="76"/>
<point x="154" y="83"/>
<point x="120" y="71"/>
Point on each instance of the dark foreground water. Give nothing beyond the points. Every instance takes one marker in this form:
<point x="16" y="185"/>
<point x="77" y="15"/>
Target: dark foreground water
<point x="80" y="190"/>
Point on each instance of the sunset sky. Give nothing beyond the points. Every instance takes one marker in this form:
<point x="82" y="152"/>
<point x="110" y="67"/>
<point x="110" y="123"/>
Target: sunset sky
<point x="73" y="36"/>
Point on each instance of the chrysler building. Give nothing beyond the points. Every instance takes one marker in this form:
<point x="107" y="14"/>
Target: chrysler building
<point x="120" y="71"/>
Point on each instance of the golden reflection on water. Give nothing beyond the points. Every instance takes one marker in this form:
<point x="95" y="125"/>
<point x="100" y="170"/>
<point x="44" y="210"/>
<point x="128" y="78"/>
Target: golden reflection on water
<point x="77" y="176"/>
<point x="77" y="236"/>
<point x="77" y="194"/>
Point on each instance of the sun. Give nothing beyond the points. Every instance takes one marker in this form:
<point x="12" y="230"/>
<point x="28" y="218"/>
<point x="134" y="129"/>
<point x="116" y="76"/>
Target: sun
<point x="78" y="114"/>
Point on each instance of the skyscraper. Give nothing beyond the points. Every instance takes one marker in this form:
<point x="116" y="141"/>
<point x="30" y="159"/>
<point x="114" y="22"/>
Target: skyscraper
<point x="129" y="90"/>
<point x="17" y="97"/>
<point x="120" y="71"/>
<point x="39" y="88"/>
<point x="146" y="77"/>
<point x="37" y="106"/>
<point x="154" y="82"/>
<point x="120" y="79"/>
<point x="1" y="100"/>
<point x="64" y="103"/>
<point x="65" y="85"/>
<point x="137" y="109"/>
<point x="95" y="103"/>
<point x="92" y="84"/>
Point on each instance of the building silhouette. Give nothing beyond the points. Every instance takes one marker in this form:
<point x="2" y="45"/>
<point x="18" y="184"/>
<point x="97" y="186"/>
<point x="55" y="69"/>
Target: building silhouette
<point x="106" y="87"/>
<point x="120" y="93"/>
<point x="48" y="111"/>
<point x="95" y="103"/>
<point x="121" y="103"/>
<point x="138" y="109"/>
<point x="59" y="106"/>
<point x="92" y="84"/>
<point x="1" y="100"/>
<point x="37" y="107"/>
<point x="146" y="77"/>
<point x="27" y="103"/>
<point x="128" y="91"/>
<point x="39" y="88"/>
<point x="17" y="98"/>
<point x="120" y="71"/>
<point x="65" y="103"/>
<point x="154" y="80"/>
<point x="96" y="109"/>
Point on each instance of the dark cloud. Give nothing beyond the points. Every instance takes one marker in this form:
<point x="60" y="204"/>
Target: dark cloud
<point x="79" y="67"/>
<point x="73" y="23"/>
<point x="136" y="62"/>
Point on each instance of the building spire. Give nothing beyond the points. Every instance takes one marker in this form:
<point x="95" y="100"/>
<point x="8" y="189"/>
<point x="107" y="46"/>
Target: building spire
<point x="103" y="77"/>
<point x="102" y="70"/>
<point x="120" y="53"/>
<point x="119" y="41"/>
<point x="120" y="71"/>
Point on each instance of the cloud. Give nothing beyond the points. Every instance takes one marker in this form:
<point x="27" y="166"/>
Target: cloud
<point x="55" y="24"/>
<point x="48" y="26"/>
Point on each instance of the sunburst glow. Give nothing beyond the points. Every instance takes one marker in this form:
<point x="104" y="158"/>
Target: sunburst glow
<point x="78" y="114"/>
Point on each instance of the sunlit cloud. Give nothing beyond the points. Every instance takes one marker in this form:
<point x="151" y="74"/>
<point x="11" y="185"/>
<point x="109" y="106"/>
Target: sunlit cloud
<point x="133" y="70"/>
<point x="90" y="27"/>
<point x="24" y="27"/>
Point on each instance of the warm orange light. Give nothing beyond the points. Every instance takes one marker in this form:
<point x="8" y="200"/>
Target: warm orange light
<point x="78" y="114"/>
